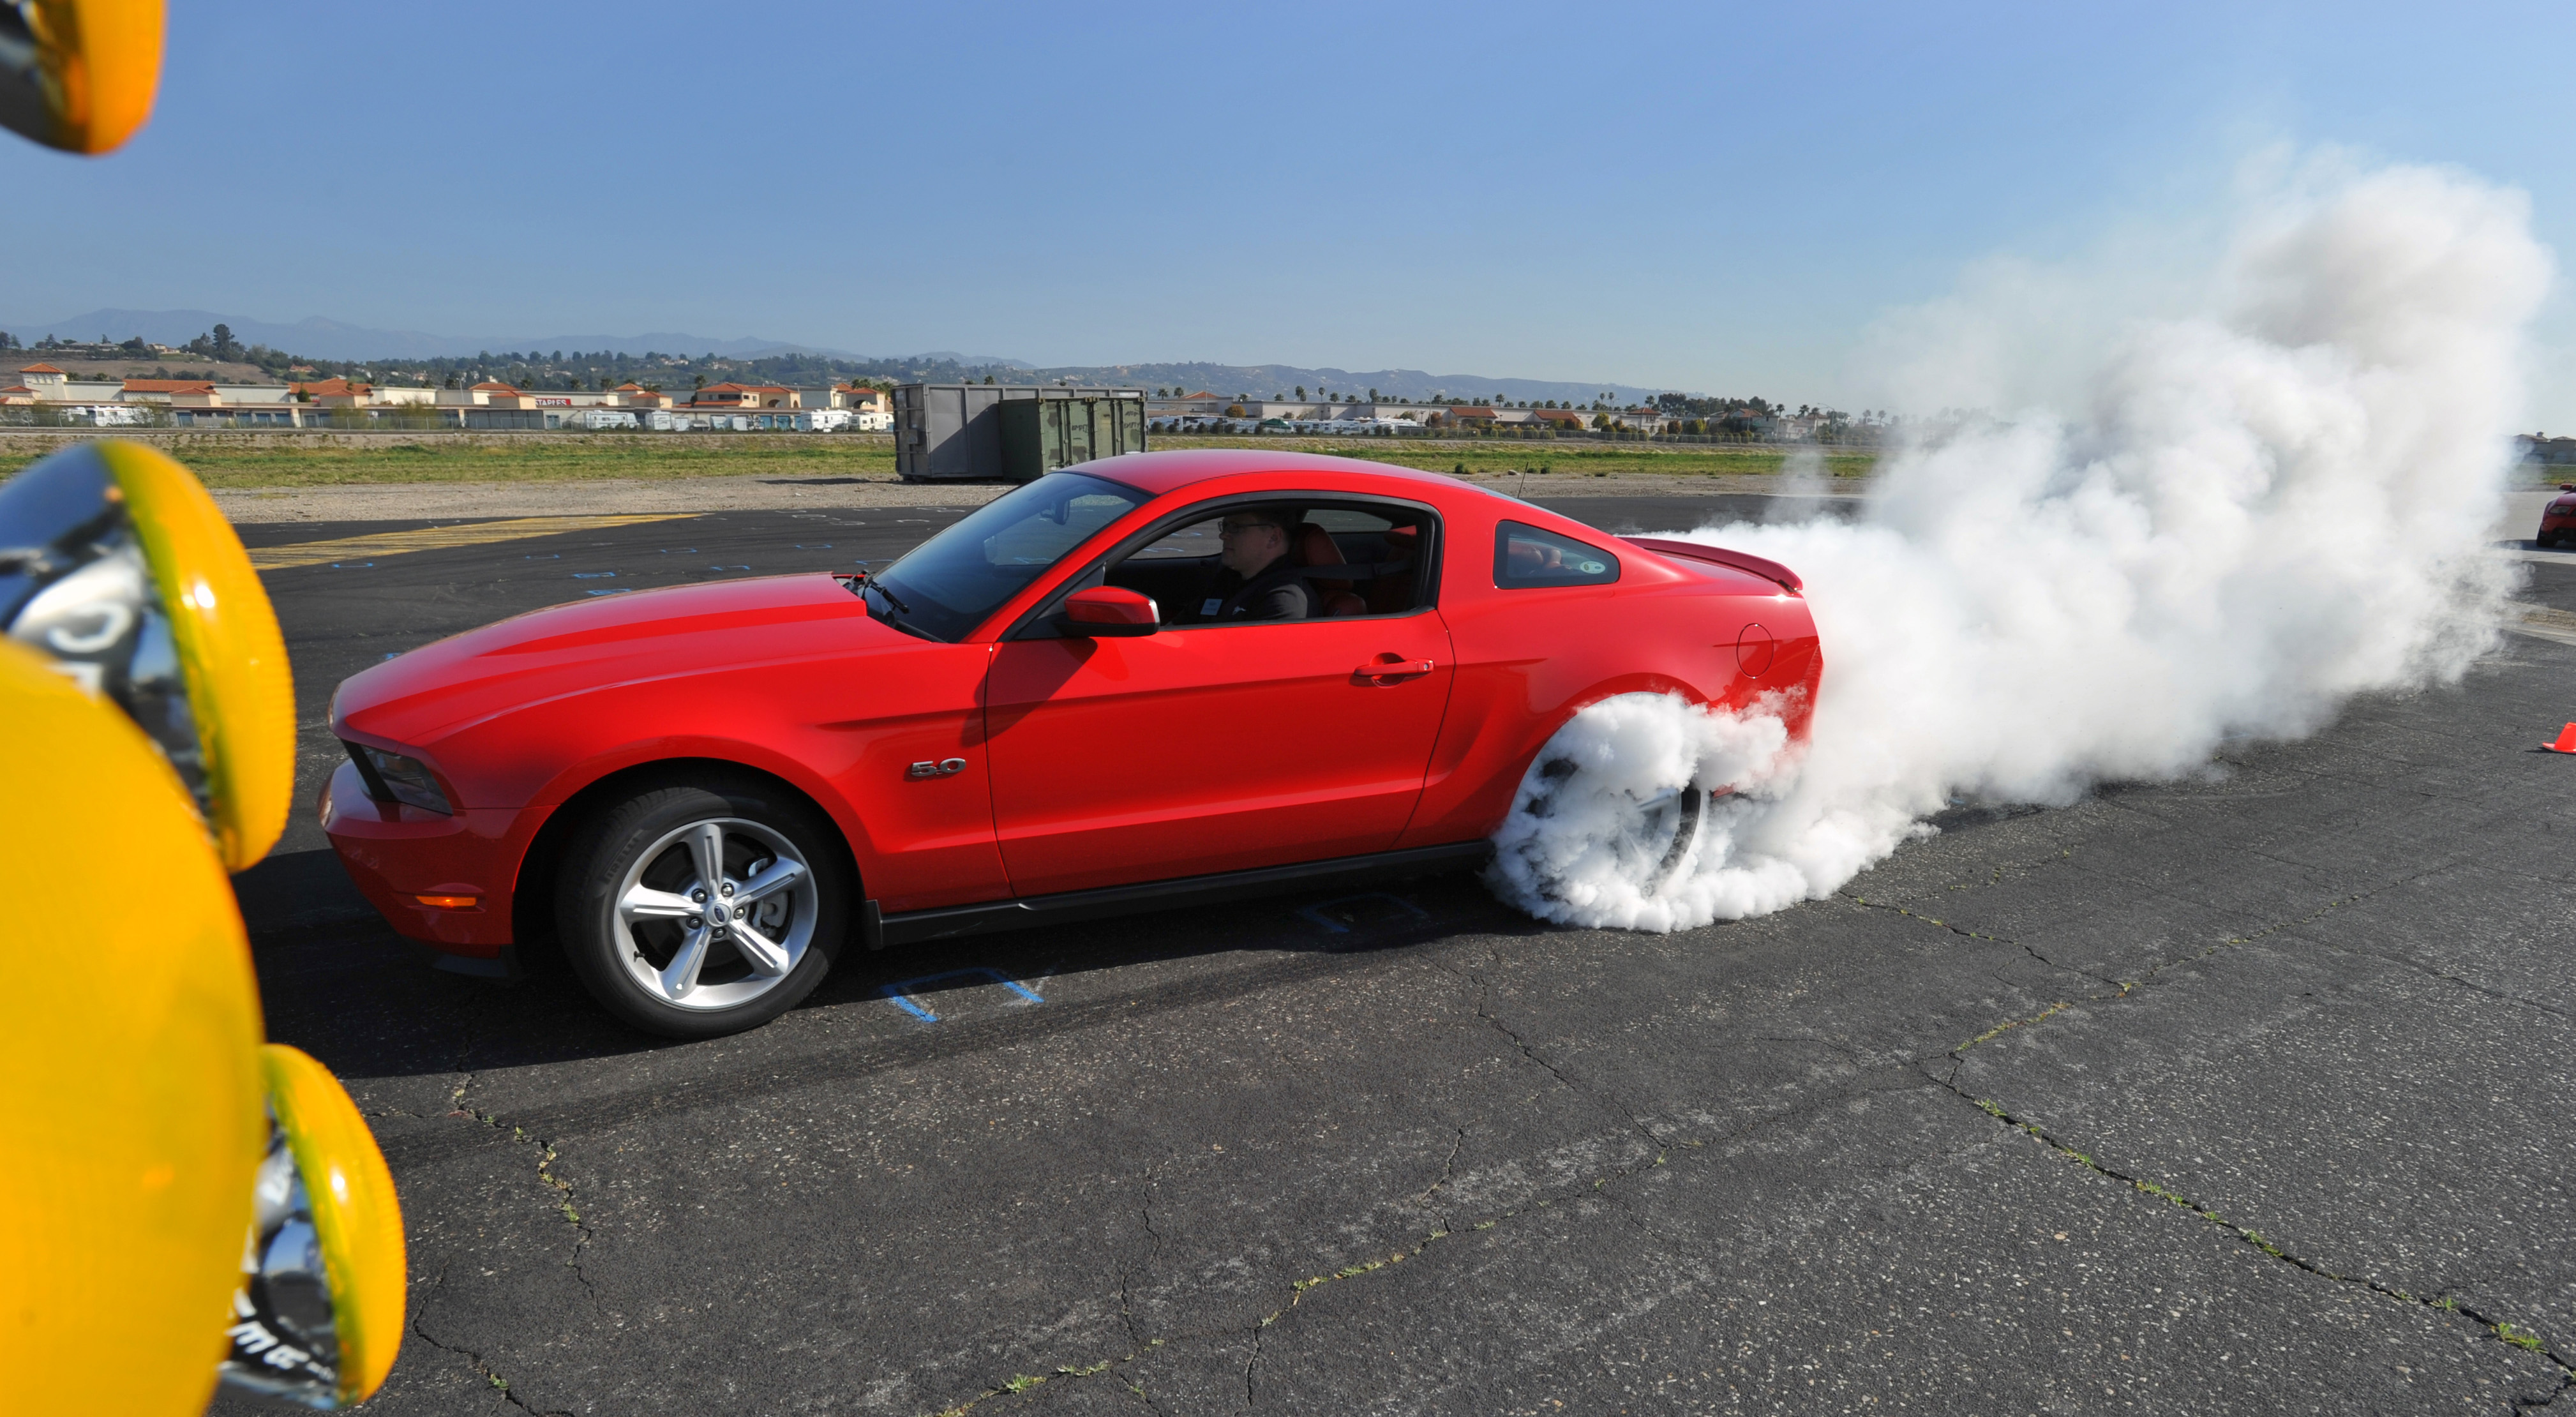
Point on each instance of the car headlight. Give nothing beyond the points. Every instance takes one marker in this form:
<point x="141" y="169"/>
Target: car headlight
<point x="391" y="777"/>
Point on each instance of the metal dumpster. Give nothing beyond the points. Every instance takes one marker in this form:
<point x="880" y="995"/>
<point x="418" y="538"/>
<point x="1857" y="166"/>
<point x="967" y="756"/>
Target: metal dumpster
<point x="1002" y="433"/>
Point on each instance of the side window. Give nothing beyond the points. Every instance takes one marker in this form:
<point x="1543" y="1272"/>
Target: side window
<point x="1354" y="558"/>
<point x="1526" y="558"/>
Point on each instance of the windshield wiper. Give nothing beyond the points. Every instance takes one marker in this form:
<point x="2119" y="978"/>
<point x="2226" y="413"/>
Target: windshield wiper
<point x="866" y="582"/>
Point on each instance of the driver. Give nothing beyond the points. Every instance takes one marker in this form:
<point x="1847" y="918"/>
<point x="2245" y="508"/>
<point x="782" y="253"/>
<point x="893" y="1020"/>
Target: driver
<point x="1255" y="580"/>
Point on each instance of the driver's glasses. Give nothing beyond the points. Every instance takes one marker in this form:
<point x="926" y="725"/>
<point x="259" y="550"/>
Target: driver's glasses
<point x="1238" y="528"/>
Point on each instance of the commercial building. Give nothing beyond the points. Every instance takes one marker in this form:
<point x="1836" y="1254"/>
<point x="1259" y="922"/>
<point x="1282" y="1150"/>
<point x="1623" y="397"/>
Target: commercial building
<point x="490" y="405"/>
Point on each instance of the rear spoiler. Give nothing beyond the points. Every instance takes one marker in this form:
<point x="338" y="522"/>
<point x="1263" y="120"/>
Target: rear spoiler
<point x="1719" y="556"/>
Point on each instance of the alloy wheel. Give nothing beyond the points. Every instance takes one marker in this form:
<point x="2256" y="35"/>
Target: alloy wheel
<point x="714" y="913"/>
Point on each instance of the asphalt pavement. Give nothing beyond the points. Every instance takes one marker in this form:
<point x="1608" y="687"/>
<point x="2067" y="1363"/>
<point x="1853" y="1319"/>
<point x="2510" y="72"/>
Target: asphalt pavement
<point x="2247" y="1093"/>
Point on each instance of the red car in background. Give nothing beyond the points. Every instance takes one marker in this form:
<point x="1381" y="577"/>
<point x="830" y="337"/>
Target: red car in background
<point x="2558" y="519"/>
<point x="704" y="792"/>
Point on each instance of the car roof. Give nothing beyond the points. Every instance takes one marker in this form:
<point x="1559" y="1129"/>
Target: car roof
<point x="1160" y="473"/>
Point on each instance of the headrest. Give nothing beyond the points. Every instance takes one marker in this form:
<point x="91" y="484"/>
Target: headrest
<point x="1311" y="545"/>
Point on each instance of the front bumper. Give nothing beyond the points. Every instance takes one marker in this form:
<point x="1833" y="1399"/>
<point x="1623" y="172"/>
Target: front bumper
<point x="397" y="854"/>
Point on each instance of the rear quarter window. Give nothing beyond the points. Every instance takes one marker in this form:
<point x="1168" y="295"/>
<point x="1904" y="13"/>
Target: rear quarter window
<point x="1526" y="558"/>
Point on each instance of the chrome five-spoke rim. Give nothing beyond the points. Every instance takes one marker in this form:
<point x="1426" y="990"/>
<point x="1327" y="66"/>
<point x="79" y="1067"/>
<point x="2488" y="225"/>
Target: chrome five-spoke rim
<point x="714" y="913"/>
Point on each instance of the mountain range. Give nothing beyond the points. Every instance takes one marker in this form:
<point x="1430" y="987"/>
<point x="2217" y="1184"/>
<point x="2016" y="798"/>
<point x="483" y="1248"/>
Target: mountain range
<point x="318" y="338"/>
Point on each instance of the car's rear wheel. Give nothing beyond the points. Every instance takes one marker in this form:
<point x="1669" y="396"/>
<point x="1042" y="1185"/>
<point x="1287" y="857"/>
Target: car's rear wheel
<point x="696" y="910"/>
<point x="1652" y="837"/>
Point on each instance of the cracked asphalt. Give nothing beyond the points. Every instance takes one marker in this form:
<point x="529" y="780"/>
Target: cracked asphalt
<point x="2246" y="1093"/>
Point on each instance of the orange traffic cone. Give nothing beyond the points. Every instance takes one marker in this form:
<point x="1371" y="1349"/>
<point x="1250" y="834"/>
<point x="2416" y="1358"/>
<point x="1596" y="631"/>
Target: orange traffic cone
<point x="2566" y="740"/>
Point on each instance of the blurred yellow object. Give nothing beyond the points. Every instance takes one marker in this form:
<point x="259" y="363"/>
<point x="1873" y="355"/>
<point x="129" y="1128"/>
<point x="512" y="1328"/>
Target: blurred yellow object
<point x="230" y="649"/>
<point x="119" y="567"/>
<point x="354" y="1211"/>
<point x="79" y="75"/>
<point x="135" y="1076"/>
<point x="164" y="1160"/>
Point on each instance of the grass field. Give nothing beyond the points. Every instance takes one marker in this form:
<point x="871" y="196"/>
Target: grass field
<point x="1562" y="459"/>
<point x="325" y="459"/>
<point x="241" y="460"/>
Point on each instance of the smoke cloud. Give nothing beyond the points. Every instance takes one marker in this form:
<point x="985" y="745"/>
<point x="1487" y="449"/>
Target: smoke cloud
<point x="2245" y="515"/>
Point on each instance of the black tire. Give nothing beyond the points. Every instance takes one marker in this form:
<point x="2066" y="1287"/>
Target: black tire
<point x="703" y="975"/>
<point x="1663" y="831"/>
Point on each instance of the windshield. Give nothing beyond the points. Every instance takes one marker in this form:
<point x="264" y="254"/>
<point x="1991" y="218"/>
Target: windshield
<point x="948" y="584"/>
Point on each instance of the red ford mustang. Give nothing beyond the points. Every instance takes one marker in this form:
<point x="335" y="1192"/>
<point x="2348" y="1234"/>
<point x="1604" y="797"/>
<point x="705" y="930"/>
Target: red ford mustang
<point x="1037" y="715"/>
<point x="2558" y="519"/>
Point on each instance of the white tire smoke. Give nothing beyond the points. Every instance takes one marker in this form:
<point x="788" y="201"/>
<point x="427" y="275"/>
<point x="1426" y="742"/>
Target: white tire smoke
<point x="2257" y="513"/>
<point x="1631" y="815"/>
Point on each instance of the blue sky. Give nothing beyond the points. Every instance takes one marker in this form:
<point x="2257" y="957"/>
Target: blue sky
<point x="1709" y="197"/>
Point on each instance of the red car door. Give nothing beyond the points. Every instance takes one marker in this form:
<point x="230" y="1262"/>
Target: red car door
<point x="1210" y="748"/>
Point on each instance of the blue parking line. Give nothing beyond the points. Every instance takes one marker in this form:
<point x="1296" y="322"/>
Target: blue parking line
<point x="908" y="1006"/>
<point x="900" y="991"/>
<point x="352" y="565"/>
<point x="592" y="575"/>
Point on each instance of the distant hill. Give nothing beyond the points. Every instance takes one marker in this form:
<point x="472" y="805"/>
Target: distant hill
<point x="316" y="338"/>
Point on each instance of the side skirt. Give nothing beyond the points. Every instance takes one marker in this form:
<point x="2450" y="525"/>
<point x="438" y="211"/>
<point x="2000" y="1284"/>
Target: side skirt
<point x="878" y="930"/>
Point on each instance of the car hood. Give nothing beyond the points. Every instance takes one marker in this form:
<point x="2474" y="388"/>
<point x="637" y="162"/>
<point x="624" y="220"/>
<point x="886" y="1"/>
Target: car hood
<point x="439" y="688"/>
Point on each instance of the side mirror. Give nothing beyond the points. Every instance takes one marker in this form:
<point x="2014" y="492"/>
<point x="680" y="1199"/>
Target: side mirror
<point x="1109" y="612"/>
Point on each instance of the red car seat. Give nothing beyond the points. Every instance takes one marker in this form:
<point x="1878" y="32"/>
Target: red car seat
<point x="1311" y="545"/>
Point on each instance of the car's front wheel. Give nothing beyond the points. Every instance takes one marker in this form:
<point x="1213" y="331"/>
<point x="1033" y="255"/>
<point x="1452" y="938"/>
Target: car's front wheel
<point x="701" y="909"/>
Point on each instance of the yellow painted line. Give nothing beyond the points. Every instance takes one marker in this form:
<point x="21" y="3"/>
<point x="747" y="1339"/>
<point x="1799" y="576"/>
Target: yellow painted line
<point x="435" y="538"/>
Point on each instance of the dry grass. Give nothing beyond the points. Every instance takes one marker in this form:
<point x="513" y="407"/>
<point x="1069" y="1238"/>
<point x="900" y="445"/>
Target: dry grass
<point x="1578" y="459"/>
<point x="324" y="459"/>
<point x="241" y="460"/>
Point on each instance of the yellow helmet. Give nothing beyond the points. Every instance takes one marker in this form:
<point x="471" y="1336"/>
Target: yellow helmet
<point x="154" y="1131"/>
<point x="127" y="1188"/>
<point x="116" y="564"/>
<point x="147" y="733"/>
<point x="79" y="75"/>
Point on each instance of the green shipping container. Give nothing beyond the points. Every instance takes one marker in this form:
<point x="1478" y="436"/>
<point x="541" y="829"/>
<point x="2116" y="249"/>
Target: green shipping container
<point x="1042" y="434"/>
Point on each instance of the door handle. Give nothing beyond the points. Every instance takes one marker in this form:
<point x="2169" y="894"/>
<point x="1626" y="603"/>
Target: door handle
<point x="1387" y="672"/>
